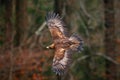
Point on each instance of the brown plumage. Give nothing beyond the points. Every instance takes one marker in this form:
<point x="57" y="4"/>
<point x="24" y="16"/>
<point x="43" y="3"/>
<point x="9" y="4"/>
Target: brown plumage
<point x="63" y="44"/>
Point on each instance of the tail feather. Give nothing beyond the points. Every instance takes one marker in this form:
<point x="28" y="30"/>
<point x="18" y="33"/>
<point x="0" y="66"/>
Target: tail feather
<point x="78" y="46"/>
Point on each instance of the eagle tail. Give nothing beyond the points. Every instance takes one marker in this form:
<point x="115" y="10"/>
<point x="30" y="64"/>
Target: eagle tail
<point x="75" y="38"/>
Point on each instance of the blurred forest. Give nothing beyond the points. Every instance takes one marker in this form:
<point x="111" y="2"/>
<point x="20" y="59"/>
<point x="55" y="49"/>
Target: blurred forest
<point x="24" y="37"/>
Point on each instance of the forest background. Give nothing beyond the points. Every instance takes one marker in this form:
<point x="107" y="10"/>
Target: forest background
<point x="24" y="37"/>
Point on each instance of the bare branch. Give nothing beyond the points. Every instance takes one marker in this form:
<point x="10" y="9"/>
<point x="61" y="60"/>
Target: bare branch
<point x="11" y="58"/>
<point x="108" y="58"/>
<point x="80" y="59"/>
<point x="82" y="6"/>
<point x="40" y="28"/>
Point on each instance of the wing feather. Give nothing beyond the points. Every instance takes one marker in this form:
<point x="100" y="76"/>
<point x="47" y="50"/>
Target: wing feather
<point x="61" y="64"/>
<point x="56" y="26"/>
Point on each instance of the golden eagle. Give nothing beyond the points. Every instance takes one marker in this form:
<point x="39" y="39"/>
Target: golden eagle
<point x="64" y="45"/>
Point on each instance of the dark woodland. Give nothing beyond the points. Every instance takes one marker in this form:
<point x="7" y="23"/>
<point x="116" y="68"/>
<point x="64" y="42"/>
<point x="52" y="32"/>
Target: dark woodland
<point x="24" y="37"/>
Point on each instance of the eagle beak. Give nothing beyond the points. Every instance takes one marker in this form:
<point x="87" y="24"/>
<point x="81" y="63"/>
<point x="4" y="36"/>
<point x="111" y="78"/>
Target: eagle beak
<point x="47" y="47"/>
<point x="52" y="46"/>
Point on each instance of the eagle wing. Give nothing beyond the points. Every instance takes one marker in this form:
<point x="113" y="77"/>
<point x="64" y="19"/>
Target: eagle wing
<point x="62" y="60"/>
<point x="56" y="26"/>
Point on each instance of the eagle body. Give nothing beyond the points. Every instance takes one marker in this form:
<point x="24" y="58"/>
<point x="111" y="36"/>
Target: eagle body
<point x="64" y="45"/>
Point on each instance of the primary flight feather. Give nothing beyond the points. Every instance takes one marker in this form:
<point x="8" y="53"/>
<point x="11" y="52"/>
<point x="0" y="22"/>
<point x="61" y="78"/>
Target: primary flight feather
<point x="64" y="45"/>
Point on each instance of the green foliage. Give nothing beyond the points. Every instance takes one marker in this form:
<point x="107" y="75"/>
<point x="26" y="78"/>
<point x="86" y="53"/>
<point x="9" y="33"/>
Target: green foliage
<point x="48" y="72"/>
<point x="37" y="11"/>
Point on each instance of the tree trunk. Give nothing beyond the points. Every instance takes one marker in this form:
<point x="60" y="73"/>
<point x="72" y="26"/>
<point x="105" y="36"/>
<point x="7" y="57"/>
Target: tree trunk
<point x="117" y="26"/>
<point x="67" y="8"/>
<point x="21" y="21"/>
<point x="58" y="6"/>
<point x="110" y="38"/>
<point x="8" y="22"/>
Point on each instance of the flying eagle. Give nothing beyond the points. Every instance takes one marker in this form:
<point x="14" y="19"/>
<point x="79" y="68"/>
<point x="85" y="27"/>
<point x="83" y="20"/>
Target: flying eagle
<point x="64" y="45"/>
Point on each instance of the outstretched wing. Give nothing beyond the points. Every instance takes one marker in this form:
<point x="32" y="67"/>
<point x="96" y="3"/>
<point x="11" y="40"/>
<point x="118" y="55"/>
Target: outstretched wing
<point x="61" y="61"/>
<point x="56" y="26"/>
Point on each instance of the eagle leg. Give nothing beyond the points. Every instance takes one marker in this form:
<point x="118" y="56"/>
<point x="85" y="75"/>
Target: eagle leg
<point x="52" y="46"/>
